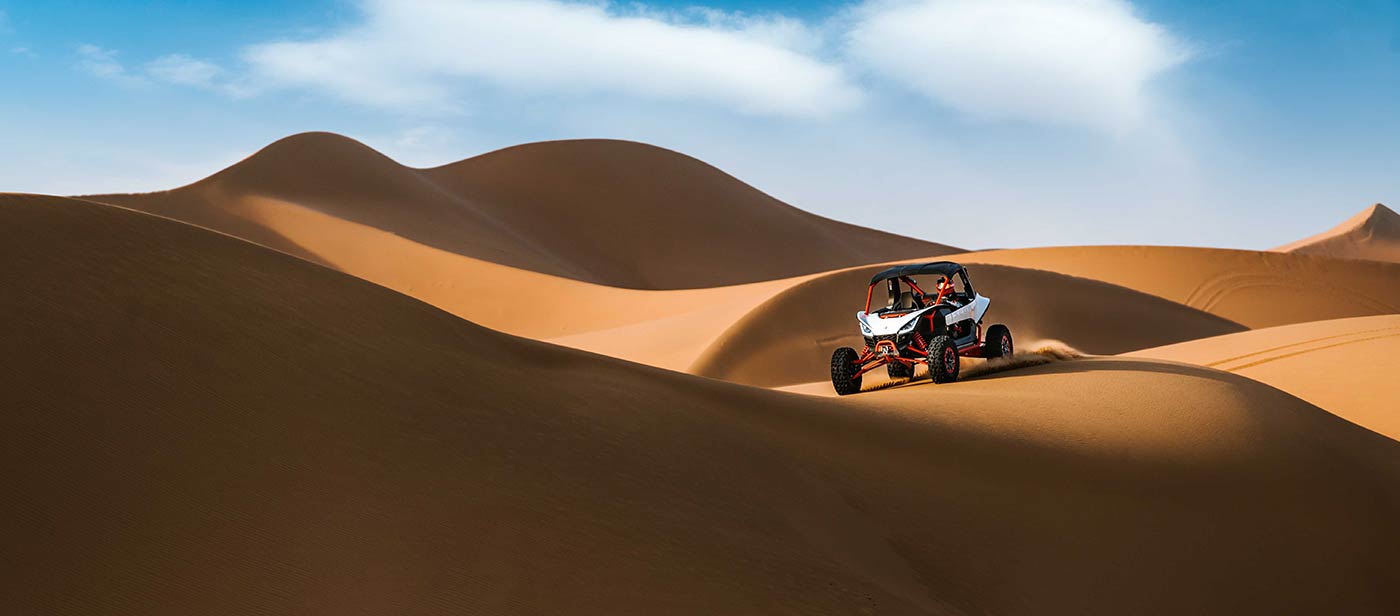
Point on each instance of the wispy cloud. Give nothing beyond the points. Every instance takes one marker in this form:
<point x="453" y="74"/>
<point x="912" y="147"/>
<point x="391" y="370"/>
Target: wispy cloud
<point x="1085" y="62"/>
<point x="103" y="63"/>
<point x="6" y="29"/>
<point x="177" y="69"/>
<point x="426" y="53"/>
<point x="182" y="69"/>
<point x="1078" y="62"/>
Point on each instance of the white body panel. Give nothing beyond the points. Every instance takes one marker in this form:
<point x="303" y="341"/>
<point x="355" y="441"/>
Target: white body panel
<point x="876" y="326"/>
<point x="979" y="306"/>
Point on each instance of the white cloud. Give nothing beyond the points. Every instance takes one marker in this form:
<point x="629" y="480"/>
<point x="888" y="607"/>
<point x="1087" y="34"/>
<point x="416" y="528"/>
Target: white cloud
<point x="417" y="54"/>
<point x="178" y="68"/>
<point x="103" y="63"/>
<point x="1078" y="62"/>
<point x="1084" y="62"/>
<point x="182" y="69"/>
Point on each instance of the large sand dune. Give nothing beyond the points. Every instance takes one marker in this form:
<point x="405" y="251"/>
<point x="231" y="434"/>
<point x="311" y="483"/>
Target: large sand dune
<point x="612" y="212"/>
<point x="789" y="339"/>
<point x="541" y="241"/>
<point x="1347" y="366"/>
<point x="1256" y="289"/>
<point x="1373" y="234"/>
<point x="1099" y="299"/>
<point x="694" y="329"/>
<point x="194" y="424"/>
<point x="781" y="332"/>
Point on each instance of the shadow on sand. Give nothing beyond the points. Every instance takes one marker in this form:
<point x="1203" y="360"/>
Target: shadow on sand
<point x="1055" y="357"/>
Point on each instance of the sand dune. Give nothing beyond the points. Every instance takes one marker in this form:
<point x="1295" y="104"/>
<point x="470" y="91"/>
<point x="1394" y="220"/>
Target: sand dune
<point x="770" y="333"/>
<point x="1373" y="234"/>
<point x="1347" y="366"/>
<point x="786" y="341"/>
<point x="618" y="213"/>
<point x="195" y="424"/>
<point x="669" y="329"/>
<point x="526" y="241"/>
<point x="1256" y="289"/>
<point x="789" y="339"/>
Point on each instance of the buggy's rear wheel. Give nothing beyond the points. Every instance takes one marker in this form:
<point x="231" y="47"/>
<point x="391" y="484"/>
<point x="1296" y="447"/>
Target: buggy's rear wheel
<point x="844" y="371"/>
<point x="943" y="360"/>
<point x="998" y="343"/>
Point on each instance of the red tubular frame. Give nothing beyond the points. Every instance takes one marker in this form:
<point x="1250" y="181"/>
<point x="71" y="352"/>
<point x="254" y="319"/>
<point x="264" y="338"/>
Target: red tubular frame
<point x="972" y="349"/>
<point x="870" y="293"/>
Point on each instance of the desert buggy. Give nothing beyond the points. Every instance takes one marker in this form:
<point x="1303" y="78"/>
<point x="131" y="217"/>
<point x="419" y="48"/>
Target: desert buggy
<point x="916" y="327"/>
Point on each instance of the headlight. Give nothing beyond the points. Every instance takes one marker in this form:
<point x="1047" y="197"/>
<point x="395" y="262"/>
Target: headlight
<point x="865" y="329"/>
<point x="909" y="327"/>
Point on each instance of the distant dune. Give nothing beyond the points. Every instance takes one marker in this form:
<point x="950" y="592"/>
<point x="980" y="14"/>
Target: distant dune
<point x="770" y="332"/>
<point x="617" y="213"/>
<point x="1372" y="234"/>
<point x="195" y="424"/>
<point x="789" y="339"/>
<point x="695" y="329"/>
<point x="1347" y="366"/>
<point x="651" y="256"/>
<point x="1101" y="300"/>
<point x="1255" y="289"/>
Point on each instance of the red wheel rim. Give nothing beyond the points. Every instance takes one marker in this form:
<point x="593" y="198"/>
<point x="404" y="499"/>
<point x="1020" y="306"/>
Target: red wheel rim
<point x="950" y="360"/>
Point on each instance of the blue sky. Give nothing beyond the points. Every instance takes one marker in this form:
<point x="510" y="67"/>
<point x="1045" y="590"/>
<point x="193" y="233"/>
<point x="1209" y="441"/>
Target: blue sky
<point x="974" y="122"/>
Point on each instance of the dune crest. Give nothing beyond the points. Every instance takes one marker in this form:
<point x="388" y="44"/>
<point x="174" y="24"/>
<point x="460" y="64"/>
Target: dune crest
<point x="1252" y="288"/>
<point x="1372" y="234"/>
<point x="652" y="256"/>
<point x="197" y="424"/>
<point x="685" y="330"/>
<point x="617" y="213"/>
<point x="1347" y="366"/>
<point x="789" y="338"/>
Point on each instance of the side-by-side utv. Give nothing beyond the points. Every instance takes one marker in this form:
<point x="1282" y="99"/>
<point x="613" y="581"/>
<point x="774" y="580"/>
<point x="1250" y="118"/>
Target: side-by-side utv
<point x="934" y="327"/>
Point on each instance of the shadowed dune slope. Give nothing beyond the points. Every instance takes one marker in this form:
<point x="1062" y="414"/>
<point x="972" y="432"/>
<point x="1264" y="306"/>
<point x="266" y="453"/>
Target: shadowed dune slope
<point x="790" y="338"/>
<point x="1373" y="234"/>
<point x="660" y="328"/>
<point x="618" y="213"/>
<point x="673" y="329"/>
<point x="1347" y="366"/>
<point x="194" y="424"/>
<point x="1256" y="289"/>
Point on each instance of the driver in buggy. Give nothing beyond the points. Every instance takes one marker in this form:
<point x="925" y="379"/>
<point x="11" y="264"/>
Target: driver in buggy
<point x="946" y="294"/>
<point x="915" y="298"/>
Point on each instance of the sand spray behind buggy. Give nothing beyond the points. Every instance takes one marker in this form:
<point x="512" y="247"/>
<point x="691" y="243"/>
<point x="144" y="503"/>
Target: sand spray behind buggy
<point x="1039" y="352"/>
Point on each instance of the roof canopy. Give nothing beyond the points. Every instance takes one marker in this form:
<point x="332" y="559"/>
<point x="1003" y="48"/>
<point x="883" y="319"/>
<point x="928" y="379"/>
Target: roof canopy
<point x="942" y="268"/>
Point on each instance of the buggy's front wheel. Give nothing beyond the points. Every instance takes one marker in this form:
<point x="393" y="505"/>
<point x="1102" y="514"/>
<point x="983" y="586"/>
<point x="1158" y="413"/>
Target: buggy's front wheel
<point x="943" y="360"/>
<point x="845" y="371"/>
